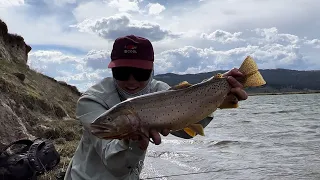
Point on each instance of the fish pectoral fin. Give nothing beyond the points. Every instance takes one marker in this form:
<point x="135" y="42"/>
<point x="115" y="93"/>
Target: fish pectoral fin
<point x="197" y="128"/>
<point x="230" y="101"/>
<point x="227" y="105"/>
<point x="131" y="112"/>
<point x="181" y="85"/>
<point x="194" y="129"/>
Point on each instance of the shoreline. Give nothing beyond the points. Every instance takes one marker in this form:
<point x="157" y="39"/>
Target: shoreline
<point x="283" y="93"/>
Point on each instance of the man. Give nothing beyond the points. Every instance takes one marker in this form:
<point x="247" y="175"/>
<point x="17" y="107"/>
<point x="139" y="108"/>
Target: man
<point x="131" y="63"/>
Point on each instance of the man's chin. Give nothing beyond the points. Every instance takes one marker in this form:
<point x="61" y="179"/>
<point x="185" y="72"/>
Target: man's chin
<point x="132" y="91"/>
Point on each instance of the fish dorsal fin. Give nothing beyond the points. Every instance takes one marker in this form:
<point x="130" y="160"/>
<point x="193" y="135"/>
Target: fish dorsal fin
<point x="218" y="75"/>
<point x="181" y="85"/>
<point x="194" y="129"/>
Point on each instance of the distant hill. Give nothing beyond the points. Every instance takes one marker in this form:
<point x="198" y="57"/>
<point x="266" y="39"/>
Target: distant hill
<point x="278" y="80"/>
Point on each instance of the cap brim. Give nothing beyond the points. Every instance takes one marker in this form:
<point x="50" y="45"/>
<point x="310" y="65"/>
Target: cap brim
<point x="144" y="64"/>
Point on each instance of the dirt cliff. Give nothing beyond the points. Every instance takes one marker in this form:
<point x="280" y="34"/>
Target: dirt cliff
<point x="32" y="104"/>
<point x="12" y="46"/>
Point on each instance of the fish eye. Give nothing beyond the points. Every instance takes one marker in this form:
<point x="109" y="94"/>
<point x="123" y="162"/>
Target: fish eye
<point x="108" y="118"/>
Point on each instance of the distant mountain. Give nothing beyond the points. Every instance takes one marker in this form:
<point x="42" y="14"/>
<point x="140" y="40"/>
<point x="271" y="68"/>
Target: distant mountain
<point x="278" y="80"/>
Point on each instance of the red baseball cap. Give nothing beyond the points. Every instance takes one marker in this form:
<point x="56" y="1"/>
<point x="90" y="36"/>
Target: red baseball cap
<point x="132" y="51"/>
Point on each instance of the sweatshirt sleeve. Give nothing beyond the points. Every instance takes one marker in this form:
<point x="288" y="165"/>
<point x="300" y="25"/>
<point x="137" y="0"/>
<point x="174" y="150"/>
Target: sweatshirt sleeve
<point x="89" y="108"/>
<point x="126" y="154"/>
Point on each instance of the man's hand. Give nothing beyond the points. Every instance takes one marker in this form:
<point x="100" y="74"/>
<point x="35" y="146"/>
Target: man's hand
<point x="237" y="88"/>
<point x="153" y="134"/>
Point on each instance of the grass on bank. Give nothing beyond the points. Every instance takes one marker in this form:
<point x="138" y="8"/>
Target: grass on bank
<point x="66" y="135"/>
<point x="48" y="108"/>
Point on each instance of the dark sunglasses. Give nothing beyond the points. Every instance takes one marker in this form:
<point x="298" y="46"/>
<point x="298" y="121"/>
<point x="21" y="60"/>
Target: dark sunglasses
<point x="123" y="73"/>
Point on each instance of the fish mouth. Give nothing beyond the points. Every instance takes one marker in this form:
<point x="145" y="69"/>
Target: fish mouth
<point x="114" y="130"/>
<point x="108" y="131"/>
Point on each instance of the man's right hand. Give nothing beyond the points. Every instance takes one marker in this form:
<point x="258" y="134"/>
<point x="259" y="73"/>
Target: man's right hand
<point x="144" y="141"/>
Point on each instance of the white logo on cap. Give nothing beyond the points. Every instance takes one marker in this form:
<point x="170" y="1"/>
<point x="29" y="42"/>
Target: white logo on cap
<point x="130" y="49"/>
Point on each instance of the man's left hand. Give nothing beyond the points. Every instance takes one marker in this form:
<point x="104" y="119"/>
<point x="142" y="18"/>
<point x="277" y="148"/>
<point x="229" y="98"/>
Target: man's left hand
<point x="237" y="88"/>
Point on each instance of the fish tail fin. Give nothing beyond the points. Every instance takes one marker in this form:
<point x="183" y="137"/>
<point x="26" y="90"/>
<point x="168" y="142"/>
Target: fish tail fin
<point x="252" y="76"/>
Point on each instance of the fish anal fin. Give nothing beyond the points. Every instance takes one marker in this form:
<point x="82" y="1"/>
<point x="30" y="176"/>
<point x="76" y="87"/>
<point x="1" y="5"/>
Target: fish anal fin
<point x="227" y="105"/>
<point x="190" y="132"/>
<point x="181" y="85"/>
<point x="194" y="129"/>
<point x="252" y="76"/>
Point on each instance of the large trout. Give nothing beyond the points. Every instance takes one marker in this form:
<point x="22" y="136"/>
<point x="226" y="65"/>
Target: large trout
<point x="179" y="108"/>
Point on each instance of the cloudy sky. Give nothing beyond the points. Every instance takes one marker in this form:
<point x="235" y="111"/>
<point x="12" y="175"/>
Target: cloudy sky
<point x="72" y="39"/>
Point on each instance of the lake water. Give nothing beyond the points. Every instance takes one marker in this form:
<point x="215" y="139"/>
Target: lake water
<point x="267" y="137"/>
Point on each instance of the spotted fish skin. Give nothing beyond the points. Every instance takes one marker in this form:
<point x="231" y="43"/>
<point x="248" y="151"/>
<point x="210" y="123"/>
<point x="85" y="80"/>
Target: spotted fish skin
<point x="178" y="108"/>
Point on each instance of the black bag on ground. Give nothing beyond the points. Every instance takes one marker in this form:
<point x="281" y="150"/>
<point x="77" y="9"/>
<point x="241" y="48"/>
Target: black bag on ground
<point x="27" y="163"/>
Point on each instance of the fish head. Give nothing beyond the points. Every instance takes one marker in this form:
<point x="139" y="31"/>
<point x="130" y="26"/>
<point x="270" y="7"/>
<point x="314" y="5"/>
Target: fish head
<point x="114" y="124"/>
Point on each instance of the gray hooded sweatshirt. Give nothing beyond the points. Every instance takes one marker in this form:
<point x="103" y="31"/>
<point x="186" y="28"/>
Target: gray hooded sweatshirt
<point x="98" y="159"/>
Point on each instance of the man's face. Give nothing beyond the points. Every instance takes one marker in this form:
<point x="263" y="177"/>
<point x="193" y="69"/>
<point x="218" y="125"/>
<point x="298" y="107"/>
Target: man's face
<point x="130" y="79"/>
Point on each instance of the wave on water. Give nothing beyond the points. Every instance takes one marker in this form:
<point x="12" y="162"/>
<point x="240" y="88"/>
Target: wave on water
<point x="222" y="143"/>
<point x="166" y="154"/>
<point x="180" y="162"/>
<point x="182" y="141"/>
<point x="151" y="170"/>
<point x="277" y="111"/>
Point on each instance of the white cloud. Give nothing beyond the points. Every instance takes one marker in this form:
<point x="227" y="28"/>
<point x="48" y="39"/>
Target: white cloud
<point x="125" y="5"/>
<point x="188" y="36"/>
<point x="270" y="48"/>
<point x="155" y="8"/>
<point x="8" y="3"/>
<point x="52" y="56"/>
<point x="314" y="42"/>
<point x="97" y="59"/>
<point x="237" y="15"/>
<point x="52" y="62"/>
<point x="271" y="35"/>
<point x="76" y="70"/>
<point x="222" y="36"/>
<point x="63" y="2"/>
<point x="85" y="10"/>
<point x="120" y="25"/>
